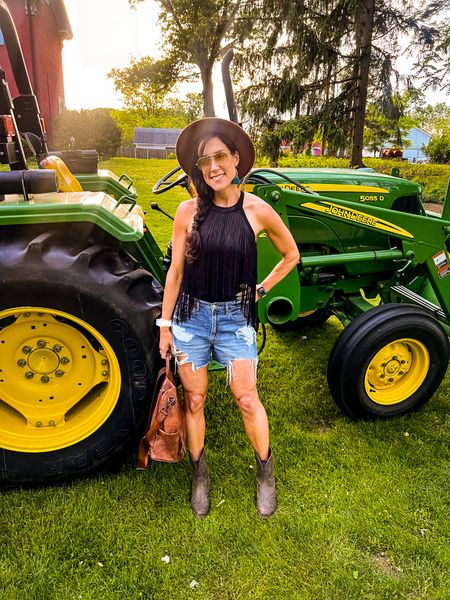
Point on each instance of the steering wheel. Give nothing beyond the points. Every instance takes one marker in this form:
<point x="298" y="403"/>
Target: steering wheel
<point x="163" y="185"/>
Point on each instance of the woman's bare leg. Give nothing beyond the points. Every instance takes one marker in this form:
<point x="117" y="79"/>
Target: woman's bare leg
<point x="243" y="388"/>
<point x="195" y="385"/>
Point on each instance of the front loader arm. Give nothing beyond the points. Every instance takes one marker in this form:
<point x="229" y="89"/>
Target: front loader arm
<point x="421" y="240"/>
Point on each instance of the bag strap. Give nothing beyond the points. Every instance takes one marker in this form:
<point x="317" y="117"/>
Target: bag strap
<point x="144" y="446"/>
<point x="169" y="374"/>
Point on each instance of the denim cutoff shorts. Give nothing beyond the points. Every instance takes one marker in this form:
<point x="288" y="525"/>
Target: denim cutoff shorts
<point x="216" y="330"/>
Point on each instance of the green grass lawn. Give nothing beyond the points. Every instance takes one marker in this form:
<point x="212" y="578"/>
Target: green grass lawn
<point x="363" y="507"/>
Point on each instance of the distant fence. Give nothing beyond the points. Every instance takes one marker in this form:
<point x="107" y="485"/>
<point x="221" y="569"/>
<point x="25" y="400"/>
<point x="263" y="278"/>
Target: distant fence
<point x="132" y="152"/>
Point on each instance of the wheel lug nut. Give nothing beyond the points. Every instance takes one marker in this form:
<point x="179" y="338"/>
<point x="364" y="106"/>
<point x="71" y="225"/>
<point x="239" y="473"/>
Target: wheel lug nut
<point x="57" y="348"/>
<point x="42" y="343"/>
<point x="59" y="373"/>
<point x="39" y="424"/>
<point x="27" y="314"/>
<point x="382" y="376"/>
<point x="390" y="379"/>
<point x="64" y="360"/>
<point x="104" y="373"/>
<point x="21" y="362"/>
<point x="394" y="358"/>
<point x="45" y="378"/>
<point x="104" y="361"/>
<point x="403" y="362"/>
<point x="29" y="374"/>
<point x="26" y="349"/>
<point x="51" y="423"/>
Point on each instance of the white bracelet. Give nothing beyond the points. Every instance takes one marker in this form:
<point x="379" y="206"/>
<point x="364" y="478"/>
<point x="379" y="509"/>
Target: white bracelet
<point x="163" y="323"/>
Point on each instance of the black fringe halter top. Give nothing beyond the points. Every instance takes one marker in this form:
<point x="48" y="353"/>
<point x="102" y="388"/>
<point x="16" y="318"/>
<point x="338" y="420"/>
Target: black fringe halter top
<point x="226" y="267"/>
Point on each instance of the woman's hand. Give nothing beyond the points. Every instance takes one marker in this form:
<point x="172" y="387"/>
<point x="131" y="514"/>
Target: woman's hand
<point x="165" y="342"/>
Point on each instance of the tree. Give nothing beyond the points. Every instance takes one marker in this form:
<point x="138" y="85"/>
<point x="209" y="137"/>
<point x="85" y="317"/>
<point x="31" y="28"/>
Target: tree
<point x="148" y="89"/>
<point x="434" y="66"/>
<point x="194" y="35"/>
<point x="299" y="132"/>
<point x="144" y="83"/>
<point x="438" y="148"/>
<point x="377" y="131"/>
<point x="389" y="126"/>
<point x="192" y="106"/>
<point x="321" y="58"/>
<point x="364" y="25"/>
<point x="433" y="119"/>
<point x="176" y="114"/>
<point x="326" y="58"/>
<point x="87" y="129"/>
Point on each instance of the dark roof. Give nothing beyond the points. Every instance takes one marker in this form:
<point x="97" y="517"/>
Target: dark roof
<point x="62" y="20"/>
<point x="155" y="136"/>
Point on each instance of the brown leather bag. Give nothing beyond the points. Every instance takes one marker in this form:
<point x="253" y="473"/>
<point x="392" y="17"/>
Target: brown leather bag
<point x="165" y="440"/>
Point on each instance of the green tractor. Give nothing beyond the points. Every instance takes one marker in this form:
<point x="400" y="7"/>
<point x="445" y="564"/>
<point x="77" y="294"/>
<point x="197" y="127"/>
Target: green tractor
<point x="81" y="286"/>
<point x="373" y="257"/>
<point x="82" y="280"/>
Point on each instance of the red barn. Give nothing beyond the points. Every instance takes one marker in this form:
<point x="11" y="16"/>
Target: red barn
<point x="42" y="26"/>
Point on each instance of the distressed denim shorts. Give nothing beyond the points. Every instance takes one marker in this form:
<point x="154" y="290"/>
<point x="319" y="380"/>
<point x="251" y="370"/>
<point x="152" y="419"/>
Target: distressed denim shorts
<point x="216" y="330"/>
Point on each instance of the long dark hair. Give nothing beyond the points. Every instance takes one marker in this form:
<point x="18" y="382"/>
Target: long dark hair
<point x="205" y="196"/>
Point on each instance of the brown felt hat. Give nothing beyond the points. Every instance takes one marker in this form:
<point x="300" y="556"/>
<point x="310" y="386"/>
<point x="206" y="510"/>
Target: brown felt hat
<point x="189" y="139"/>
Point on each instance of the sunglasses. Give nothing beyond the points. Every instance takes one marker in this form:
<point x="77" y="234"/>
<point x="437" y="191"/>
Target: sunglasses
<point x="204" y="162"/>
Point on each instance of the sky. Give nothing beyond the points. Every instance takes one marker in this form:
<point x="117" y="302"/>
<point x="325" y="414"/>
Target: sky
<point x="107" y="34"/>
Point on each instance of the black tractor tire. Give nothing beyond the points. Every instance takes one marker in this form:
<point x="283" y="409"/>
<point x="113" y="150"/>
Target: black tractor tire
<point x="81" y="284"/>
<point x="314" y="319"/>
<point x="389" y="361"/>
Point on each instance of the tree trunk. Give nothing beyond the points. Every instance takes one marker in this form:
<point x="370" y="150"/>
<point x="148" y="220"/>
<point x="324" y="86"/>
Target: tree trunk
<point x="208" y="98"/>
<point x="327" y="98"/>
<point x="364" y="18"/>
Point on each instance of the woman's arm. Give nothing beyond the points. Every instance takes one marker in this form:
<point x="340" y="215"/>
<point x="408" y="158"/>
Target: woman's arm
<point x="183" y="217"/>
<point x="284" y="243"/>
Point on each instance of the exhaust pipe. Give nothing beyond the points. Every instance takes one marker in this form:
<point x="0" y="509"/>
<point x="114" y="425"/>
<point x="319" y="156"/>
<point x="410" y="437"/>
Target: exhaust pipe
<point x="226" y="78"/>
<point x="279" y="310"/>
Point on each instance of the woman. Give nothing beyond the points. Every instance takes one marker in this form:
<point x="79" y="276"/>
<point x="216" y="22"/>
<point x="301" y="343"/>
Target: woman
<point x="211" y="290"/>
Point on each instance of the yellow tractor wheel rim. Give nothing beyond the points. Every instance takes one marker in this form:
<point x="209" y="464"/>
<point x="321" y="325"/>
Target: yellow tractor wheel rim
<point x="59" y="379"/>
<point x="397" y="371"/>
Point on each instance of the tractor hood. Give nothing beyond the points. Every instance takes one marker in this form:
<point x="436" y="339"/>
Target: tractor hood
<point x="345" y="180"/>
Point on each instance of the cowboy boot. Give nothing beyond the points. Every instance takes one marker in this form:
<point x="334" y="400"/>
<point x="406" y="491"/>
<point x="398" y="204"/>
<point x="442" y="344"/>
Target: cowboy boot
<point x="200" y="486"/>
<point x="266" y="498"/>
